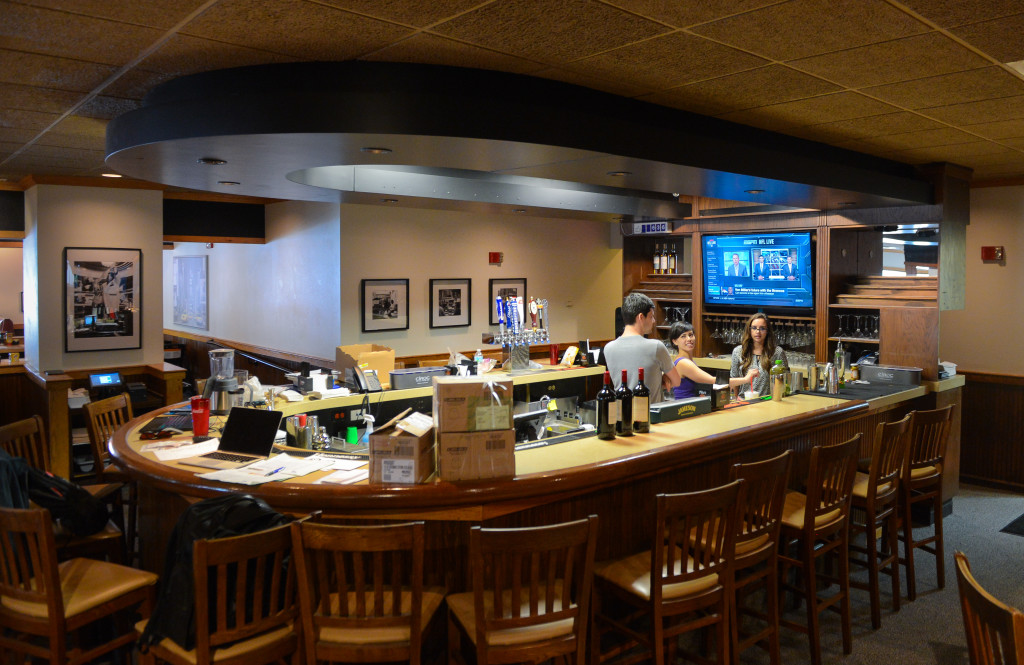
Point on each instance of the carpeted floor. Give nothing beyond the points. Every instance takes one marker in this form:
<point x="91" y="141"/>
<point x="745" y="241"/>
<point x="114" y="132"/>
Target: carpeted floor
<point x="929" y="630"/>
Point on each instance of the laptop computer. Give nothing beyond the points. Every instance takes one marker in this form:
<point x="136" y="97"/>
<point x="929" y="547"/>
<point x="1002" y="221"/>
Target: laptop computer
<point x="248" y="436"/>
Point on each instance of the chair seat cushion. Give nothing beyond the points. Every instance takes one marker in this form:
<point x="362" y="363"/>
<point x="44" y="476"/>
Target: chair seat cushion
<point x="861" y="484"/>
<point x="432" y="598"/>
<point x="633" y="574"/>
<point x="240" y="649"/>
<point x="922" y="472"/>
<point x="462" y="605"/>
<point x="85" y="584"/>
<point x="794" y="508"/>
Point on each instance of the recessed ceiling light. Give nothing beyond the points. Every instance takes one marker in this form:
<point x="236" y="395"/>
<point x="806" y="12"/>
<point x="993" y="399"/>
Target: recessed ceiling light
<point x="111" y="175"/>
<point x="210" y="161"/>
<point x="389" y="200"/>
<point x="229" y="183"/>
<point x="754" y="191"/>
<point x="619" y="174"/>
<point x="376" y="151"/>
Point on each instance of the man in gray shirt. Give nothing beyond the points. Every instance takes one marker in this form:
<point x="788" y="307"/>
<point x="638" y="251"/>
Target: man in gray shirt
<point x="632" y="350"/>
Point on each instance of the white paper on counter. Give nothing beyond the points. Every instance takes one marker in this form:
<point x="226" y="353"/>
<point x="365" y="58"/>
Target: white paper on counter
<point x="347" y="477"/>
<point x="291" y="395"/>
<point x="241" y="476"/>
<point x="166" y="451"/>
<point x="287" y="466"/>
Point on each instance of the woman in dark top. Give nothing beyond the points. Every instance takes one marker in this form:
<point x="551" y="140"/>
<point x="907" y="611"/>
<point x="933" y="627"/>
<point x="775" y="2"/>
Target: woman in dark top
<point x="682" y="339"/>
<point x="757" y="349"/>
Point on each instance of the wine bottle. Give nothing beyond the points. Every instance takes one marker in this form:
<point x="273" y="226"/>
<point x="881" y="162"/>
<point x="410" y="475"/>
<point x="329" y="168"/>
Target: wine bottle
<point x="624" y="400"/>
<point x="606" y="410"/>
<point x="641" y="406"/>
<point x="672" y="260"/>
<point x="657" y="259"/>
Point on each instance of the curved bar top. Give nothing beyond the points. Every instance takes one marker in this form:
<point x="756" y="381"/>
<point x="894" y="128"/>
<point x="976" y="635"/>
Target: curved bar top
<point x="542" y="474"/>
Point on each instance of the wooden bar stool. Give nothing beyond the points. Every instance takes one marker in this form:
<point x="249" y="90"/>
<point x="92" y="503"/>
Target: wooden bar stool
<point x="921" y="482"/>
<point x="758" y="525"/>
<point x="995" y="631"/>
<point x="815" y="525"/>
<point x="103" y="418"/>
<point x="684" y="582"/>
<point x="875" y="496"/>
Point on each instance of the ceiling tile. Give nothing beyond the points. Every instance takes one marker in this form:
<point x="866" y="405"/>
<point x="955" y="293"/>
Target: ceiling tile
<point x="924" y="139"/>
<point x="668" y="61"/>
<point x="803" y="28"/>
<point x="1004" y="129"/>
<point x="419" y="14"/>
<point x="183" y="55"/>
<point x="685" y="14"/>
<point x="107" y="108"/>
<point x="813" y="111"/>
<point x="612" y="86"/>
<point x="136" y="82"/>
<point x="1003" y="39"/>
<point x="303" y="30"/>
<point x="31" y="120"/>
<point x="905" y="59"/>
<point x="1014" y="143"/>
<point x="50" y="72"/>
<point x="959" y="87"/>
<point x="871" y="126"/>
<point x="155" y="13"/>
<point x="571" y="29"/>
<point x="60" y="34"/>
<point x="958" y="154"/>
<point x="972" y="113"/>
<point x="37" y="99"/>
<point x="436" y="50"/>
<point x="948" y="13"/>
<point x="757" y="87"/>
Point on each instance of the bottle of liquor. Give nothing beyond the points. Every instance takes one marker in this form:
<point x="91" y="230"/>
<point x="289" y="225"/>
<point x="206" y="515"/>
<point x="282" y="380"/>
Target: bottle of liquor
<point x="778" y="385"/>
<point x="657" y="259"/>
<point x="840" y="364"/>
<point x="607" y="413"/>
<point x="672" y="260"/>
<point x="624" y="399"/>
<point x="641" y="406"/>
<point x="664" y="258"/>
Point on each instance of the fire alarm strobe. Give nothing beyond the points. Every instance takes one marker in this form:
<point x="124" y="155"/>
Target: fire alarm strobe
<point x="495" y="258"/>
<point x="992" y="253"/>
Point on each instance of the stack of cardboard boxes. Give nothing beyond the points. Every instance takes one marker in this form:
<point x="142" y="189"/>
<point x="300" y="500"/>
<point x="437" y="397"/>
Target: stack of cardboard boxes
<point x="475" y="435"/>
<point x="402" y="451"/>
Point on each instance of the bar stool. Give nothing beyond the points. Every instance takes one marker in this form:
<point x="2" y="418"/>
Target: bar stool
<point x="921" y="482"/>
<point x="103" y="418"/>
<point x="758" y="525"/>
<point x="875" y="496"/>
<point x="816" y="524"/>
<point x="994" y="630"/>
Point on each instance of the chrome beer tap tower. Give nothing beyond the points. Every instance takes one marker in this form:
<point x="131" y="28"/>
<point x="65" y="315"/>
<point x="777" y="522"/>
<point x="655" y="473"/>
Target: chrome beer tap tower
<point x="514" y="335"/>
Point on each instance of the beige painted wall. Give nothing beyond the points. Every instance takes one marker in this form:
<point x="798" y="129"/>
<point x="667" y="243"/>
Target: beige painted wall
<point x="10" y="284"/>
<point x="58" y="216"/>
<point x="576" y="265"/>
<point x="976" y="337"/>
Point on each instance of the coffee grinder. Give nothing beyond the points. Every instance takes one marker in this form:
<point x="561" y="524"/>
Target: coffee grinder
<point x="222" y="384"/>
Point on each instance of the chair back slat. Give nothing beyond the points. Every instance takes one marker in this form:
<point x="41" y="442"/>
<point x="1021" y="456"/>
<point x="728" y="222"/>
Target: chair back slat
<point x="888" y="457"/>
<point x="760" y="513"/>
<point x="28" y="560"/>
<point x="103" y="418"/>
<point x="830" y="481"/>
<point x="929" y="432"/>
<point x="994" y="630"/>
<point x="26" y="439"/>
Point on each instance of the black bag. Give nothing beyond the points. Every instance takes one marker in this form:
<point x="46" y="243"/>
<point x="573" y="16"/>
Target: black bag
<point x="75" y="508"/>
<point x="218" y="517"/>
<point x="13" y="482"/>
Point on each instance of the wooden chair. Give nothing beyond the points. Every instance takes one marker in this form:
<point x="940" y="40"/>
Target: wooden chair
<point x="103" y="418"/>
<point x="42" y="602"/>
<point x="673" y="588"/>
<point x="995" y="631"/>
<point x="815" y="525"/>
<point x="360" y="591"/>
<point x="758" y="526"/>
<point x="875" y="497"/>
<point x="921" y="482"/>
<point x="531" y="594"/>
<point x="27" y="439"/>
<point x="245" y="611"/>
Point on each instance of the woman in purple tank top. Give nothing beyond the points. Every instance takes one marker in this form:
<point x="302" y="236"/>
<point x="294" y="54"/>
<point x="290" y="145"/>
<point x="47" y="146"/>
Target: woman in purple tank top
<point x="682" y="338"/>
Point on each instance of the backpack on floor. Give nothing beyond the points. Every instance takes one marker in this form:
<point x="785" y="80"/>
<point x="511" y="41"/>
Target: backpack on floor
<point x="70" y="504"/>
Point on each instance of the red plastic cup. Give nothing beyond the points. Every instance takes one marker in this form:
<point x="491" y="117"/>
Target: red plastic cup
<point x="200" y="416"/>
<point x="554" y="354"/>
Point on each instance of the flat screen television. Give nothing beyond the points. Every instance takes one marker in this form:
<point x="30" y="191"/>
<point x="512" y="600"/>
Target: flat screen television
<point x="772" y="272"/>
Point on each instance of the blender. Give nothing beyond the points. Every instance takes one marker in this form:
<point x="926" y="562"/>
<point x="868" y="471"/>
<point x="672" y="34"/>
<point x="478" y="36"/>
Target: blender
<point x="222" y="384"/>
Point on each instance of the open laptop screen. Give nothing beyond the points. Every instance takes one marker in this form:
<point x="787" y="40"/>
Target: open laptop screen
<point x="250" y="431"/>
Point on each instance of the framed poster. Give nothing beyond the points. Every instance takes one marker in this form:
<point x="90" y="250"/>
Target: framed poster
<point x="451" y="303"/>
<point x="504" y="288"/>
<point x="102" y="299"/>
<point x="190" y="304"/>
<point x="385" y="304"/>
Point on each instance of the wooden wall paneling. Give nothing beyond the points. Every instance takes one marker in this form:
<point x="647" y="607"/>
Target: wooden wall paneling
<point x="951" y="470"/>
<point x="637" y="261"/>
<point x="869" y="251"/>
<point x="991" y="437"/>
<point x="953" y="193"/>
<point x="909" y="337"/>
<point x="823" y="293"/>
<point x="697" y="307"/>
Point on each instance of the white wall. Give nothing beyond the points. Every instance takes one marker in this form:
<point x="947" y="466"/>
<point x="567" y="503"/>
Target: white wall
<point x="10" y="284"/>
<point x="281" y="295"/>
<point x="977" y="337"/>
<point x="576" y="265"/>
<point x="58" y="216"/>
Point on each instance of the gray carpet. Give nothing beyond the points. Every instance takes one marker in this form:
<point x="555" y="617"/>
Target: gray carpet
<point x="929" y="630"/>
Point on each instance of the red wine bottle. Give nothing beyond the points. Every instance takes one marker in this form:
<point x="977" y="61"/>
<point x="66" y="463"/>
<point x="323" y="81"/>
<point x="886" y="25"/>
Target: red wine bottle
<point x="641" y="406"/>
<point x="607" y="413"/>
<point x="624" y="398"/>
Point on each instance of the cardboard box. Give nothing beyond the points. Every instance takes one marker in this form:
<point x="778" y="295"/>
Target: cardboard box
<point x="476" y="455"/>
<point x="398" y="457"/>
<point x="366" y="356"/>
<point x="472" y="404"/>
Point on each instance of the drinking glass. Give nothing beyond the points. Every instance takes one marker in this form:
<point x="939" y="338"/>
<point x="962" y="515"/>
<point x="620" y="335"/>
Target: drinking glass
<point x="875" y="317"/>
<point x="200" y="416"/>
<point x="842" y="328"/>
<point x="718" y="332"/>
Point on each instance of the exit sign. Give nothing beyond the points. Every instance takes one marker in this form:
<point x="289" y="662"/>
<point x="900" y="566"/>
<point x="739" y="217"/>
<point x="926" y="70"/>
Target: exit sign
<point x="647" y="228"/>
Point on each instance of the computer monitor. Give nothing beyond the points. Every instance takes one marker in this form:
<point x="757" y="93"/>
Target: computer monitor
<point x="105" y="381"/>
<point x="90" y="320"/>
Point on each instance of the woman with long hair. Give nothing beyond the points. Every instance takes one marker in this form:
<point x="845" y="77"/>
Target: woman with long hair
<point x="759" y="349"/>
<point x="683" y="340"/>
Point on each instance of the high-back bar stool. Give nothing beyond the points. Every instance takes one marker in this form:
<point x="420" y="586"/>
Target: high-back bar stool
<point x="815" y="525"/>
<point x="994" y="630"/>
<point x="103" y="418"/>
<point x="875" y="497"/>
<point x="922" y="483"/>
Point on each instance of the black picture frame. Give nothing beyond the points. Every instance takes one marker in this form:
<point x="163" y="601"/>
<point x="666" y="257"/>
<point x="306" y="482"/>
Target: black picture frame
<point x="504" y="287"/>
<point x="451" y="302"/>
<point x="102" y="299"/>
<point x="384" y="304"/>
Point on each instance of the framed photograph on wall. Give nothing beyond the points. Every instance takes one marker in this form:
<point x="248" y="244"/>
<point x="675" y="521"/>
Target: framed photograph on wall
<point x="102" y="299"/>
<point x="505" y="288"/>
<point x="385" y="304"/>
<point x="190" y="304"/>
<point x="451" y="304"/>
